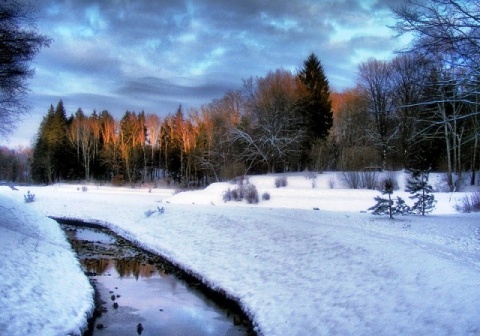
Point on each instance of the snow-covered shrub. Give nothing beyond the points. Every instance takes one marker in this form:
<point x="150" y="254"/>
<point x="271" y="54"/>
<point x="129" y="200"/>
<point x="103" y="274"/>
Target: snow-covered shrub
<point x="312" y="176"/>
<point x="148" y="213"/>
<point x="265" y="196"/>
<point x="251" y="194"/>
<point x="331" y="183"/>
<point x="281" y="181"/>
<point x="352" y="179"/>
<point x="369" y="180"/>
<point x="233" y="195"/>
<point x="28" y="197"/>
<point x="241" y="192"/>
<point x="469" y="203"/>
<point x="84" y="188"/>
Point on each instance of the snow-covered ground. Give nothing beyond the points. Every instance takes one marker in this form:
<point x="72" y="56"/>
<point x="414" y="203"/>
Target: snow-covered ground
<point x="42" y="288"/>
<point x="295" y="270"/>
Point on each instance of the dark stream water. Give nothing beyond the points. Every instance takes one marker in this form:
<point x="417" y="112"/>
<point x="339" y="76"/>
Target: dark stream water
<point x="141" y="294"/>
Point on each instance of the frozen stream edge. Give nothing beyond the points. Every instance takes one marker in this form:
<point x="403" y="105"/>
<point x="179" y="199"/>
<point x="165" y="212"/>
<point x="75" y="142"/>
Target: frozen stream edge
<point x="218" y="295"/>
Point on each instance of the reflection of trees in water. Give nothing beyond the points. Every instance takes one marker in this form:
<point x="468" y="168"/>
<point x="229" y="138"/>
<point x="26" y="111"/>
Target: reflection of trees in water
<point x="128" y="267"/>
<point x="99" y="266"/>
<point x="124" y="267"/>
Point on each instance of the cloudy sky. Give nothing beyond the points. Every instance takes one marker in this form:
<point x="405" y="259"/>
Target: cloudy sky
<point x="149" y="55"/>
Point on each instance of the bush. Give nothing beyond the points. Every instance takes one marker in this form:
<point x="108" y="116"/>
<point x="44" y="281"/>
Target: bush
<point x="369" y="180"/>
<point x="469" y="203"/>
<point x="352" y="179"/>
<point x="29" y="198"/>
<point x="331" y="183"/>
<point x="266" y="196"/>
<point x="240" y="192"/>
<point x="312" y="176"/>
<point x="251" y="194"/>
<point x="281" y="181"/>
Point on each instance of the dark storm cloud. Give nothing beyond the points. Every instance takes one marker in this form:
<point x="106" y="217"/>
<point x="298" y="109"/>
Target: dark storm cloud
<point x="154" y="55"/>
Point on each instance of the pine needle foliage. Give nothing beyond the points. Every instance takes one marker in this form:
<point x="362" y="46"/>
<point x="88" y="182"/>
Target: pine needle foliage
<point x="421" y="191"/>
<point x="387" y="206"/>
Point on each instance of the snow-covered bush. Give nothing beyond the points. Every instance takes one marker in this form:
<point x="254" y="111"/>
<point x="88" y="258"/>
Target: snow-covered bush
<point x="331" y="183"/>
<point x="312" y="176"/>
<point x="233" y="195"/>
<point x="281" y="181"/>
<point x="28" y="197"/>
<point x="265" y="196"/>
<point x="243" y="191"/>
<point x="251" y="194"/>
<point x="148" y="213"/>
<point x="469" y="203"/>
<point x="352" y="179"/>
<point x="369" y="179"/>
<point x="365" y="179"/>
<point x="159" y="210"/>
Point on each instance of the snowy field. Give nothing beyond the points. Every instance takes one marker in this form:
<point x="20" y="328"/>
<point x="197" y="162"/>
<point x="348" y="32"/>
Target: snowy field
<point x="296" y="271"/>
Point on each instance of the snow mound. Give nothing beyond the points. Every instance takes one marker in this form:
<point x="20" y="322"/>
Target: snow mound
<point x="43" y="290"/>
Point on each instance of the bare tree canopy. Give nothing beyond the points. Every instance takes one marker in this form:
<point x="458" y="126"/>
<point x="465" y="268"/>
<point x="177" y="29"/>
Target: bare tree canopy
<point x="19" y="43"/>
<point x="442" y="26"/>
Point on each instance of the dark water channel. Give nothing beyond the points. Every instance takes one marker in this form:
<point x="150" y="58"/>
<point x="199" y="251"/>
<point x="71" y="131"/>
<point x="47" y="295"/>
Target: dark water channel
<point x="139" y="293"/>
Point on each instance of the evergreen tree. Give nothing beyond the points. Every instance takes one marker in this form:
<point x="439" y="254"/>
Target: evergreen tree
<point x="418" y="187"/>
<point x="315" y="103"/>
<point x="51" y="157"/>
<point x="386" y="206"/>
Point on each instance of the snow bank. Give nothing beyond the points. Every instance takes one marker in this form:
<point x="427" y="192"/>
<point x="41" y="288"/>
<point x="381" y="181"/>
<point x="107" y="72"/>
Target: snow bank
<point x="297" y="271"/>
<point x="43" y="291"/>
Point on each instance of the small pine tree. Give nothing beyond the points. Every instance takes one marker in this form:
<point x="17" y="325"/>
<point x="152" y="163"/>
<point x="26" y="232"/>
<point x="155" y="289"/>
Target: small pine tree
<point x="386" y="206"/>
<point x="418" y="187"/>
<point x="383" y="206"/>
<point x="401" y="208"/>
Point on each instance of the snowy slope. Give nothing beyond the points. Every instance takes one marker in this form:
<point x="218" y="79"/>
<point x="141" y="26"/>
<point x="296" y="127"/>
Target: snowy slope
<point x="335" y="271"/>
<point x="42" y="289"/>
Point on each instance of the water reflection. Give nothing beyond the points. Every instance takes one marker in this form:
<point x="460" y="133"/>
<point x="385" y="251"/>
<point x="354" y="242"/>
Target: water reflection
<point x="137" y="289"/>
<point x="124" y="267"/>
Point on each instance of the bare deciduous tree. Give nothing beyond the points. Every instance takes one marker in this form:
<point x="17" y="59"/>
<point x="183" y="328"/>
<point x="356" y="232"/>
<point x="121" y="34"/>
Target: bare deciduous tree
<point x="375" y="80"/>
<point x="20" y="42"/>
<point x="272" y="134"/>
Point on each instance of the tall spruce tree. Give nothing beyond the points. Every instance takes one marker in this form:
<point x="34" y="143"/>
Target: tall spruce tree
<point x="315" y="104"/>
<point x="51" y="160"/>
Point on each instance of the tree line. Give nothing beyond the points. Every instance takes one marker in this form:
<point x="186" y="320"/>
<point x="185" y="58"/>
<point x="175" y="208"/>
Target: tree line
<point x="419" y="110"/>
<point x="274" y="123"/>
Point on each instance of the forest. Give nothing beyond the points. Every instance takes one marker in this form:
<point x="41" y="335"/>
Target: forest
<point x="419" y="110"/>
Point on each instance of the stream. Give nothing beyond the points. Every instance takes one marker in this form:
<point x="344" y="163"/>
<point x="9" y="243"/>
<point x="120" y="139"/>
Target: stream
<point x="139" y="293"/>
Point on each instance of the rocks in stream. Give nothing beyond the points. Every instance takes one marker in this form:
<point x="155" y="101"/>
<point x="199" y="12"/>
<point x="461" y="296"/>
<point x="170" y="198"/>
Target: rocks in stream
<point x="139" y="328"/>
